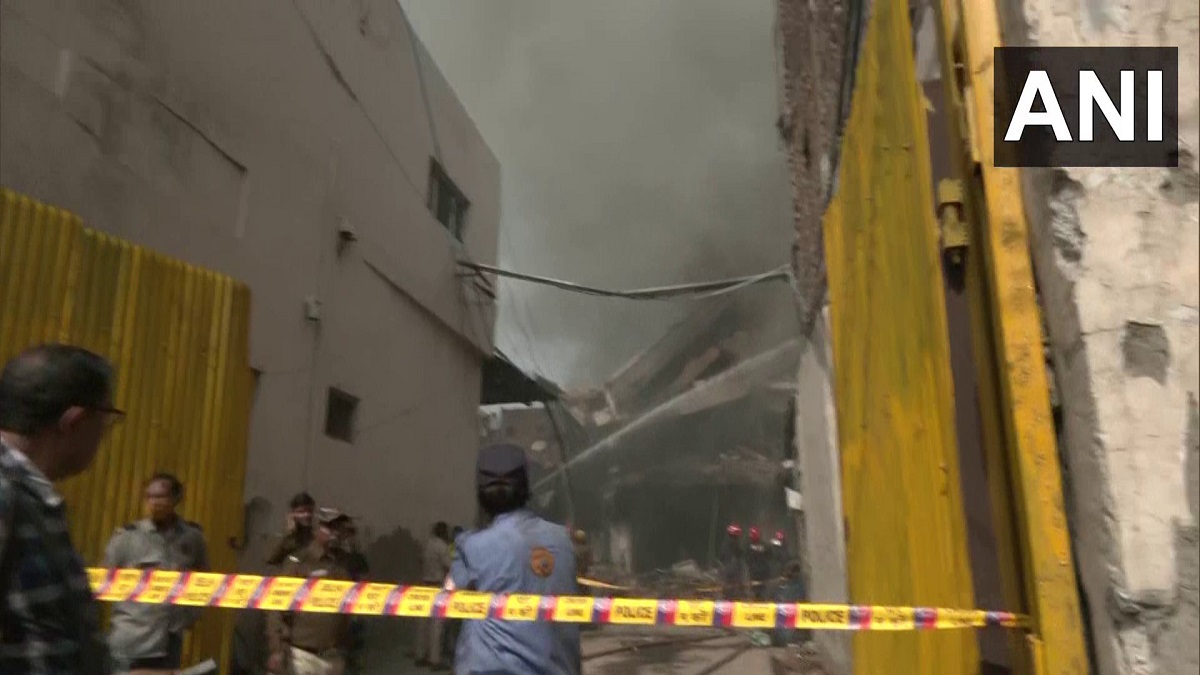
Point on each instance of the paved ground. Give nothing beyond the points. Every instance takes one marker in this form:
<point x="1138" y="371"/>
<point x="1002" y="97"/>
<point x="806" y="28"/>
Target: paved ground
<point x="687" y="652"/>
<point x="652" y="651"/>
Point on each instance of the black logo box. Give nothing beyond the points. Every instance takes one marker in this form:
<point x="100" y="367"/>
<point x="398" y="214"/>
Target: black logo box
<point x="1039" y="148"/>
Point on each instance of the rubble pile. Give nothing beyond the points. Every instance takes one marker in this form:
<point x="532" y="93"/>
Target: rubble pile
<point x="802" y="659"/>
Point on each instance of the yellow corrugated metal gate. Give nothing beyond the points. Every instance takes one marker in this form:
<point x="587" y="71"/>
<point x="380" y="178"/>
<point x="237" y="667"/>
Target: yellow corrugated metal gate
<point x="906" y="535"/>
<point x="178" y="336"/>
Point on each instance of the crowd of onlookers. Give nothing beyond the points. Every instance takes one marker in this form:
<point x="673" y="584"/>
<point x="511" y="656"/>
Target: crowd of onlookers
<point x="55" y="406"/>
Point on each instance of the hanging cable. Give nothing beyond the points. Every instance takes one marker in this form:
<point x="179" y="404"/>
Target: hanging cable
<point x="700" y="290"/>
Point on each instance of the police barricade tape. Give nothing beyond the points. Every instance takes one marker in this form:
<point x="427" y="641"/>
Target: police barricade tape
<point x="289" y="594"/>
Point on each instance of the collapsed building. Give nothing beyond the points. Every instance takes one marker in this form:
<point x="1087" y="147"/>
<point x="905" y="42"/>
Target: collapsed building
<point x="691" y="434"/>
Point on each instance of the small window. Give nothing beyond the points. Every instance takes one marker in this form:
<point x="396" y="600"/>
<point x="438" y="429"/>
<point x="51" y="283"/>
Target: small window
<point x="340" y="409"/>
<point x="446" y="202"/>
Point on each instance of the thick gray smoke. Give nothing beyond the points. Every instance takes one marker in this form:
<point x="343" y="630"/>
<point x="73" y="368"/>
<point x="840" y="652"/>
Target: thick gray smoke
<point x="638" y="147"/>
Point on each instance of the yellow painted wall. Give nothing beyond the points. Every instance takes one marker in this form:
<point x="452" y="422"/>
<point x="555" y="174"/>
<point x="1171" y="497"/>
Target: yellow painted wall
<point x="906" y="537"/>
<point x="178" y="336"/>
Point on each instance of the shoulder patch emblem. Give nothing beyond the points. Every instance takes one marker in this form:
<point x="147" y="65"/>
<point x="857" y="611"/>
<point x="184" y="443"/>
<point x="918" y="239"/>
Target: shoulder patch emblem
<point x="541" y="561"/>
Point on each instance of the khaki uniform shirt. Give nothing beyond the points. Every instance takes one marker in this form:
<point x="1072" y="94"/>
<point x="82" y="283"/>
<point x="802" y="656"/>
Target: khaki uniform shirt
<point x="316" y="633"/>
<point x="288" y="544"/>
<point x="141" y="630"/>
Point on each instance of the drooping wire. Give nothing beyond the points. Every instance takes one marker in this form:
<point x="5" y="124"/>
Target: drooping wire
<point x="695" y="291"/>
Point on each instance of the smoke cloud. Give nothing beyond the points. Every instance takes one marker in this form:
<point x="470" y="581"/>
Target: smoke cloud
<point x="638" y="147"/>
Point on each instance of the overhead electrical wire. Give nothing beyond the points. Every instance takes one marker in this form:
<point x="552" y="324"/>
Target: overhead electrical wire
<point x="693" y="291"/>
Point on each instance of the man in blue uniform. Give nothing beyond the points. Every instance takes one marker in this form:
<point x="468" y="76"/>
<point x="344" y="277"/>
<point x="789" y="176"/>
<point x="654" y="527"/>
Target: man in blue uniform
<point x="517" y="553"/>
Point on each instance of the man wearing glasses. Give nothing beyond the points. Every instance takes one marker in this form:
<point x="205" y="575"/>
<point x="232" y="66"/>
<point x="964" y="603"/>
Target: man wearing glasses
<point x="55" y="406"/>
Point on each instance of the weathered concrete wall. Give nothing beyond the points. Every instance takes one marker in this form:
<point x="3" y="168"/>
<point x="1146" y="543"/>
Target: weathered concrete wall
<point x="1116" y="259"/>
<point x="817" y="454"/>
<point x="235" y="135"/>
<point x="813" y="43"/>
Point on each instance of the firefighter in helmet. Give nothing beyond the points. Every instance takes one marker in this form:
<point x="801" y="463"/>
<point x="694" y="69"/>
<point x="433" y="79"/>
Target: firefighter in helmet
<point x="758" y="565"/>
<point x="732" y="561"/>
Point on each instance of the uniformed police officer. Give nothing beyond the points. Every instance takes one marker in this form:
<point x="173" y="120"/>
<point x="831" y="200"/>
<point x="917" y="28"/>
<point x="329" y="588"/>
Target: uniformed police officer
<point x="299" y="531"/>
<point x="145" y="635"/>
<point x="516" y="553"/>
<point x="312" y="643"/>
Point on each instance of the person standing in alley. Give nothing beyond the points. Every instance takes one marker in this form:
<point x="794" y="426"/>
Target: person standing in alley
<point x="356" y="560"/>
<point x="311" y="643"/>
<point x="779" y="559"/>
<point x="249" y="649"/>
<point x="790" y="590"/>
<point x="758" y="566"/>
<point x="151" y="635"/>
<point x="583" y="553"/>
<point x="435" y="566"/>
<point x="453" y="627"/>
<point x="517" y="552"/>
<point x="732" y="563"/>
<point x="357" y="566"/>
<point x="55" y="406"/>
<point x="298" y="529"/>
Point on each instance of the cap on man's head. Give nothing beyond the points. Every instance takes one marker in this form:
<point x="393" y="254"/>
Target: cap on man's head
<point x="327" y="515"/>
<point x="499" y="462"/>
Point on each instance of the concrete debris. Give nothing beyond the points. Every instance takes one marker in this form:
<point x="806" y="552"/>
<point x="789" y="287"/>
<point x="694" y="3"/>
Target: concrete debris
<point x="687" y="569"/>
<point x="802" y="659"/>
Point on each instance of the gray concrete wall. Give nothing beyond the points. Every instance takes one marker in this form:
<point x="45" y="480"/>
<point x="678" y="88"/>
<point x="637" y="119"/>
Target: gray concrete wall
<point x="812" y="40"/>
<point x="1116" y="255"/>
<point x="817" y="453"/>
<point x="235" y="135"/>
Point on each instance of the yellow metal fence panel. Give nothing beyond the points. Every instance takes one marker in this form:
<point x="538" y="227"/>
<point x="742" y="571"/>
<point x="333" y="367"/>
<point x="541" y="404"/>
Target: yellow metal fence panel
<point x="179" y="338"/>
<point x="1008" y="319"/>
<point x="906" y="535"/>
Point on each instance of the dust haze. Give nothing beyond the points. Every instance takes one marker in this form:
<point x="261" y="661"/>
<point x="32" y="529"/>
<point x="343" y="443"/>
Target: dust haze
<point x="638" y="147"/>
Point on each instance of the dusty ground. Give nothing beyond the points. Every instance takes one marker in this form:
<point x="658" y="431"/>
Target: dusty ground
<point x="676" y="651"/>
<point x="689" y="652"/>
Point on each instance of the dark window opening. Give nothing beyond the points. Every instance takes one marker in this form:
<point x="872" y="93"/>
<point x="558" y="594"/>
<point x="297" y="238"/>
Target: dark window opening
<point x="340" y="409"/>
<point x="446" y="202"/>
